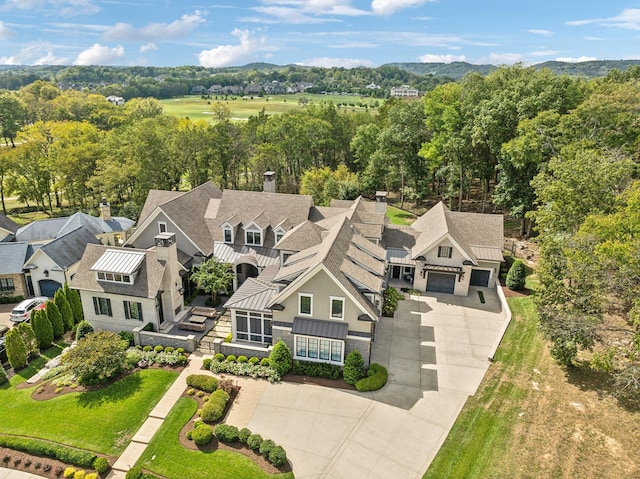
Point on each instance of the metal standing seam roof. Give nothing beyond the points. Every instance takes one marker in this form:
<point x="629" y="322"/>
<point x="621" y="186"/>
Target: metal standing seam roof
<point x="487" y="254"/>
<point x="400" y="256"/>
<point x="320" y="328"/>
<point x="119" y="261"/>
<point x="229" y="253"/>
<point x="252" y="295"/>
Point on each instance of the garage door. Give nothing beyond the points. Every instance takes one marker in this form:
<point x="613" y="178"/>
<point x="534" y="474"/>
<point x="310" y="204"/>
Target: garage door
<point x="480" y="277"/>
<point x="441" y="283"/>
<point x="48" y="287"/>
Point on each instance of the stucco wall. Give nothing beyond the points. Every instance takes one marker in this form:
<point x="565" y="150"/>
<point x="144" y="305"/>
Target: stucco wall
<point x="146" y="238"/>
<point x="118" y="322"/>
<point x="45" y="263"/>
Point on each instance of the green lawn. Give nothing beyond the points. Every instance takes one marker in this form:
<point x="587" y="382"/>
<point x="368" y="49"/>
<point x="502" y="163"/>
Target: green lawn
<point x="195" y="108"/>
<point x="399" y="217"/>
<point x="166" y="456"/>
<point x="102" y="421"/>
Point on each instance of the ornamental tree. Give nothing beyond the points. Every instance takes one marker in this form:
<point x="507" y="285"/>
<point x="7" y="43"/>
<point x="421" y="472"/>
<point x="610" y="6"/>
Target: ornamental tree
<point x="212" y="276"/>
<point x="280" y="358"/>
<point x="97" y="358"/>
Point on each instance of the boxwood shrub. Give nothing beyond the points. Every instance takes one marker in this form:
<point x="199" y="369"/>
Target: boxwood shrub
<point x="253" y="360"/>
<point x="219" y="357"/>
<point x="203" y="382"/>
<point x="316" y="370"/>
<point x="376" y="378"/>
<point x="214" y="408"/>
<point x="265" y="362"/>
<point x="254" y="441"/>
<point x="202" y="435"/>
<point x="206" y="363"/>
<point x="38" y="447"/>
<point x="231" y="358"/>
<point x="266" y="447"/>
<point x="101" y="465"/>
<point x="244" y="434"/>
<point x="277" y="456"/>
<point x="242" y="359"/>
<point x="227" y="433"/>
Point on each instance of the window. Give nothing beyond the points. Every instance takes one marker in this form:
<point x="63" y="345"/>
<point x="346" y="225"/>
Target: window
<point x="253" y="237"/>
<point x="228" y="235"/>
<point x="337" y="308"/>
<point x="444" y="251"/>
<point x="162" y="227"/>
<point x="132" y="310"/>
<point x="306" y="304"/>
<point x="114" y="277"/>
<point x="102" y="306"/>
<point x="253" y="326"/>
<point x="6" y="285"/>
<point x="319" y="349"/>
<point x="279" y="234"/>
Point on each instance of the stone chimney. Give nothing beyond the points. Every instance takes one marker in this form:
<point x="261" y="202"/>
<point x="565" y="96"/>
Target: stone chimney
<point x="269" y="182"/>
<point x="167" y="252"/>
<point x="166" y="248"/>
<point x="105" y="210"/>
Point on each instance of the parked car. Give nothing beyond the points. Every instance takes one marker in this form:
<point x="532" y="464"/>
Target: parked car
<point x="22" y="312"/>
<point x="3" y="349"/>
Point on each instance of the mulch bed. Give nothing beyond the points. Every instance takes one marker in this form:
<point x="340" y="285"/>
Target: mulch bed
<point x="235" y="447"/>
<point x="41" y="466"/>
<point x="508" y="293"/>
<point x="325" y="382"/>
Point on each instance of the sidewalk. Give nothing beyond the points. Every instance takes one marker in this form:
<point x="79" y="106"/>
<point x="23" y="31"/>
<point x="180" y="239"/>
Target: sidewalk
<point x="13" y="474"/>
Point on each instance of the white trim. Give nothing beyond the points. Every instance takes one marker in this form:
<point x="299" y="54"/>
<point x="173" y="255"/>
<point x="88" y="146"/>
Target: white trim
<point x="279" y="231"/>
<point x="253" y="227"/>
<point x="227" y="227"/>
<point x="359" y="338"/>
<point x="300" y="313"/>
<point x="331" y="300"/>
<point x="150" y="219"/>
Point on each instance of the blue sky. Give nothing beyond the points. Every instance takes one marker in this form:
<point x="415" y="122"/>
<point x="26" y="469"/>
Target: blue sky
<point x="346" y="33"/>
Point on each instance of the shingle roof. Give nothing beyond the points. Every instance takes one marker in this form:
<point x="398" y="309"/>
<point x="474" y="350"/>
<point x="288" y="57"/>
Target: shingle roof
<point x="8" y="224"/>
<point x="154" y="199"/>
<point x="67" y="250"/>
<point x="13" y="257"/>
<point x="399" y="236"/>
<point x="146" y="285"/>
<point x="303" y="236"/>
<point x="229" y="253"/>
<point x="44" y="230"/>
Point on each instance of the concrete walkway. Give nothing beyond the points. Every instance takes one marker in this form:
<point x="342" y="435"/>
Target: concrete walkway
<point x="13" y="474"/>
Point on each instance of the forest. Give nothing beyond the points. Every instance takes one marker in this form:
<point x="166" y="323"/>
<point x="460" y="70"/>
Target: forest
<point x="558" y="153"/>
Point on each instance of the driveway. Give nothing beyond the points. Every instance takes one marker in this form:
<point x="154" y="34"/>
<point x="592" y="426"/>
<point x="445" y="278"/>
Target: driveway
<point x="436" y="350"/>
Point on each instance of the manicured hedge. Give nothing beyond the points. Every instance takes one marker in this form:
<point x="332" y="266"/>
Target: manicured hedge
<point x="37" y="447"/>
<point x="202" y="435"/>
<point x="376" y="378"/>
<point x="227" y="433"/>
<point x="202" y="382"/>
<point x="214" y="408"/>
<point x="316" y="370"/>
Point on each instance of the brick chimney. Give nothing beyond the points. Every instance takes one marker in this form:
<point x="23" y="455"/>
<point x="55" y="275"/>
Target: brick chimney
<point x="269" y="182"/>
<point x="105" y="210"/>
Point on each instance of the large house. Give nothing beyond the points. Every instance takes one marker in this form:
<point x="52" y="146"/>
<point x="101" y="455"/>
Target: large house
<point x="12" y="258"/>
<point x="7" y="228"/>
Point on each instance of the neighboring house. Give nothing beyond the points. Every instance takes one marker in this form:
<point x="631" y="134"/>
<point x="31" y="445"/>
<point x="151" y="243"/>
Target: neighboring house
<point x="446" y="251"/>
<point x="55" y="263"/>
<point x="12" y="258"/>
<point x="322" y="301"/>
<point x="116" y="100"/>
<point x="404" y="91"/>
<point x="125" y="288"/>
<point x="198" y="90"/>
<point x="182" y="213"/>
<point x="109" y="230"/>
<point x="7" y="228"/>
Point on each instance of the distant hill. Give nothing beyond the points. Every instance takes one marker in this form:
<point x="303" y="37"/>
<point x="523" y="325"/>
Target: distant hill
<point x="457" y="70"/>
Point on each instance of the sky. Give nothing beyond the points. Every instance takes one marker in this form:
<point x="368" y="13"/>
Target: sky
<point x="325" y="33"/>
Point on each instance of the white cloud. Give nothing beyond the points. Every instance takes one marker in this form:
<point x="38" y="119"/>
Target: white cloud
<point x="628" y="19"/>
<point x="326" y="62"/>
<point x="155" y="31"/>
<point x="34" y="53"/>
<point x="99" y="55"/>
<point x="148" y="47"/>
<point x="544" y="33"/>
<point x="351" y="45"/>
<point x="593" y="39"/>
<point x="55" y="7"/>
<point x="545" y="53"/>
<point x="5" y="32"/>
<point x="501" y="59"/>
<point x="298" y="12"/>
<point x="576" y="60"/>
<point x="387" y="7"/>
<point x="429" y="58"/>
<point x="51" y="59"/>
<point x="228" y="55"/>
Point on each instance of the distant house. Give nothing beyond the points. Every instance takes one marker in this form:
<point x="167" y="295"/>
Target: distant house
<point x="125" y="288"/>
<point x="198" y="90"/>
<point x="253" y="89"/>
<point x="372" y="86"/>
<point x="116" y="100"/>
<point x="405" y="91"/>
<point x="53" y="264"/>
<point x="215" y="90"/>
<point x="12" y="258"/>
<point x="8" y="228"/>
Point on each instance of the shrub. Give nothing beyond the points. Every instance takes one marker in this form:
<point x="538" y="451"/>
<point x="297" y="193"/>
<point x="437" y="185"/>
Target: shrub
<point x="391" y="296"/>
<point x="206" y="363"/>
<point x="55" y="317"/>
<point x="60" y="452"/>
<point x="91" y="475"/>
<point x="16" y="349"/>
<point x="202" y="435"/>
<point x="169" y="349"/>
<point x="231" y="358"/>
<point x="214" y="408"/>
<point x="97" y="358"/>
<point x="74" y="301"/>
<point x="128" y="337"/>
<point x="280" y="358"/>
<point x="147" y="349"/>
<point x="65" y="310"/>
<point x="42" y="329"/>
<point x="277" y="456"/>
<point x="254" y="441"/>
<point x="203" y="382"/>
<point x="516" y="276"/>
<point x="84" y="328"/>
<point x="266" y="447"/>
<point x="219" y="357"/>
<point x="69" y="472"/>
<point x="316" y="370"/>
<point x="354" y="369"/>
<point x="243" y="359"/>
<point x="3" y="375"/>
<point x="227" y="433"/>
<point x="265" y="362"/>
<point x="29" y="339"/>
<point x="244" y="434"/>
<point x="245" y="369"/>
<point x="134" y="473"/>
<point x="376" y="378"/>
<point x="182" y="360"/>
<point x="228" y="338"/>
<point x="101" y="465"/>
<point x="200" y="394"/>
<point x="79" y="474"/>
<point x="158" y="349"/>
<point x="180" y="350"/>
<point x="254" y="360"/>
<point x="226" y="385"/>
<point x="189" y="435"/>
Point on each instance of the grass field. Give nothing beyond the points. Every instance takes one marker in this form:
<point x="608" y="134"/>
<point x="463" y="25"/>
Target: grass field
<point x="165" y="455"/>
<point x="399" y="217"/>
<point x="102" y="421"/>
<point x="531" y="418"/>
<point x="195" y="108"/>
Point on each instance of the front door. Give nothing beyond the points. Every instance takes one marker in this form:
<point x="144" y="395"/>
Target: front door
<point x="395" y="272"/>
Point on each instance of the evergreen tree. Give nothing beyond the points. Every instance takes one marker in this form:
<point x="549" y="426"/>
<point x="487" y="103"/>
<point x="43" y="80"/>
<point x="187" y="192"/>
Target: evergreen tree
<point x="42" y="329"/>
<point x="84" y="328"/>
<point x="516" y="276"/>
<point x="74" y="301"/>
<point x="354" y="369"/>
<point x="3" y="375"/>
<point x="65" y="310"/>
<point x="29" y="339"/>
<point x="280" y="358"/>
<point x="55" y="318"/>
<point x="16" y="349"/>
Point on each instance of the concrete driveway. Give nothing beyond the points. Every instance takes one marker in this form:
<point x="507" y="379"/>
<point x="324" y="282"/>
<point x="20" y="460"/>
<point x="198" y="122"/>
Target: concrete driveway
<point x="436" y="352"/>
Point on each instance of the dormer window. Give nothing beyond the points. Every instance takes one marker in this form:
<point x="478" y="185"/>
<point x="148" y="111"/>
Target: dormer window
<point x="114" y="277"/>
<point x="253" y="235"/>
<point x="228" y="234"/>
<point x="279" y="233"/>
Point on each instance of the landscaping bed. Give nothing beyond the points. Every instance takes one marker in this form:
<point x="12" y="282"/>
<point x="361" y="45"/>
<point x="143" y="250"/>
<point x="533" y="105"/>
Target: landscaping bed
<point x="41" y="466"/>
<point x="326" y="382"/>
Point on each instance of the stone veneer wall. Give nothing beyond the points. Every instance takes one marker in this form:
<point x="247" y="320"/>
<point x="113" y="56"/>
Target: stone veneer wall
<point x="147" y="338"/>
<point x="18" y="283"/>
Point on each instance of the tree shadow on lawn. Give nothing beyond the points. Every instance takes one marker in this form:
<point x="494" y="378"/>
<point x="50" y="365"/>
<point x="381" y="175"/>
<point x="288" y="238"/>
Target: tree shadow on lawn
<point x="123" y="388"/>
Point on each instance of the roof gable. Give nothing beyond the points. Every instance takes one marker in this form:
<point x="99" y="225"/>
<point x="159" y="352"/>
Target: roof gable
<point x="8" y="224"/>
<point x="67" y="250"/>
<point x="13" y="257"/>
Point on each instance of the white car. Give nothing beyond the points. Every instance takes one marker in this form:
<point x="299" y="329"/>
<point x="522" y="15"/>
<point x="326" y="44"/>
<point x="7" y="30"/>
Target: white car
<point x="22" y="311"/>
